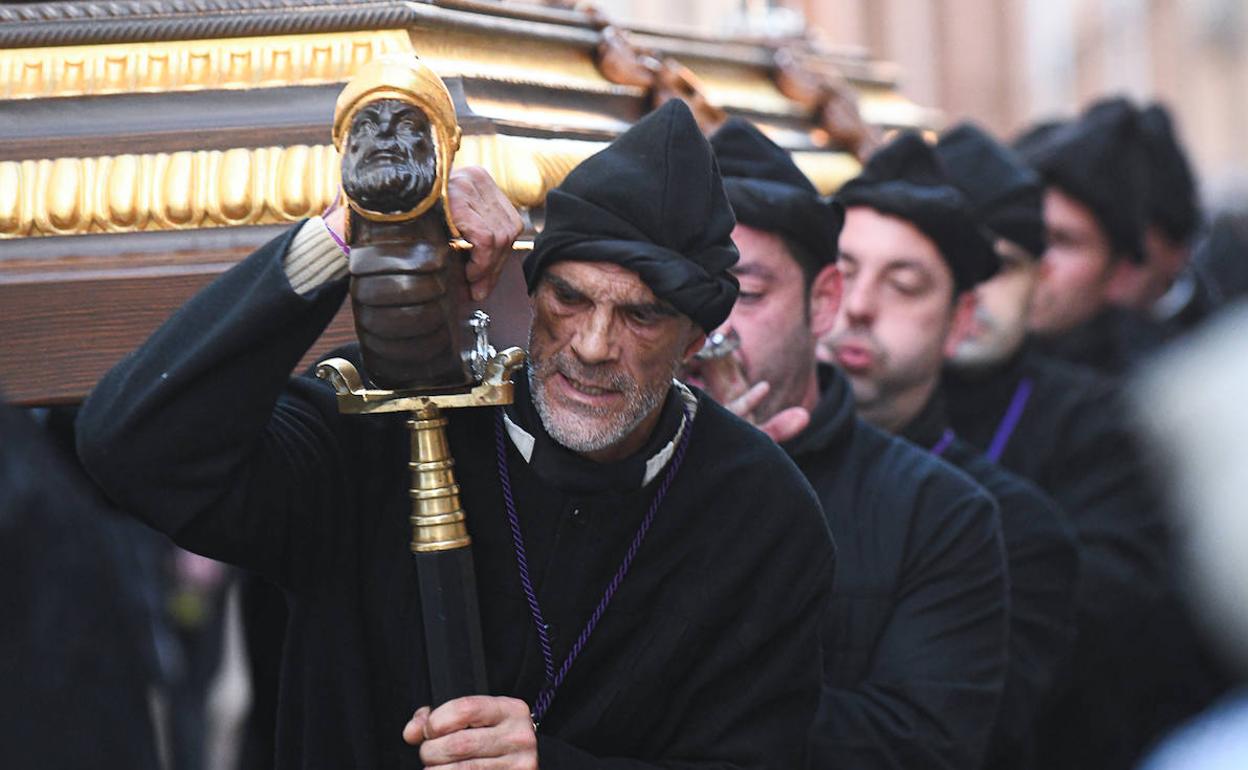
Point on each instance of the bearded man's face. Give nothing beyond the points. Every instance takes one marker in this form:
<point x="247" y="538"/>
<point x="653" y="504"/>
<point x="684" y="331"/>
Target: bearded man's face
<point x="389" y="163"/>
<point x="602" y="353"/>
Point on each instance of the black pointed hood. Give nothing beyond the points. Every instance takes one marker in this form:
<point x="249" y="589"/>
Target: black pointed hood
<point x="1005" y="194"/>
<point x="1101" y="161"/>
<point x="1173" y="200"/>
<point x="652" y="202"/>
<point x="769" y="192"/>
<point x="904" y="178"/>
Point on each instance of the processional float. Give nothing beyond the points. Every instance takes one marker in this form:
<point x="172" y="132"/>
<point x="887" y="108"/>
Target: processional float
<point x="146" y="146"/>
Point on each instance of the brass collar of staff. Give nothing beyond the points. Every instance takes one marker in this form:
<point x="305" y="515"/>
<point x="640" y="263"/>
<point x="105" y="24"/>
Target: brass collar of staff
<point x="406" y="78"/>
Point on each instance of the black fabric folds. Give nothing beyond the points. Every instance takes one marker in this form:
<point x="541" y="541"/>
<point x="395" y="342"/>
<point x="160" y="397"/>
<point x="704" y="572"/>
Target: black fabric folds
<point x="769" y="192"/>
<point x="1173" y="201"/>
<point x="905" y="179"/>
<point x="1101" y="160"/>
<point x="652" y="202"/>
<point x="1006" y="195"/>
<point x="1034" y="135"/>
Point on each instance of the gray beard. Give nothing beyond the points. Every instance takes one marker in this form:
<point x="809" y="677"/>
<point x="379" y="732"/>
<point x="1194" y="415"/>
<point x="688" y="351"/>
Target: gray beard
<point x="588" y="429"/>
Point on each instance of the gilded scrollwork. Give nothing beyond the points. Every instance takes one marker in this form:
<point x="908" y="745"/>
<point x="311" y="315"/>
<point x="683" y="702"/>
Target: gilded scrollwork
<point x="184" y="65"/>
<point x="164" y="191"/>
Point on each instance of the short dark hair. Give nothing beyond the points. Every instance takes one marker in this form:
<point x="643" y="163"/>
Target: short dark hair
<point x="806" y="260"/>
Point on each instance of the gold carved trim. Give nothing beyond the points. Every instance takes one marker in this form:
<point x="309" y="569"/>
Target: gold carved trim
<point x="268" y="185"/>
<point x="283" y="60"/>
<point x="215" y="188"/>
<point x="165" y="191"/>
<point x="188" y="65"/>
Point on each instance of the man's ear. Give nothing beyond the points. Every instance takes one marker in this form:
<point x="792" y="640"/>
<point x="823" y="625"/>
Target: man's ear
<point x="1125" y="281"/>
<point x="825" y="300"/>
<point x="963" y="318"/>
<point x="695" y="343"/>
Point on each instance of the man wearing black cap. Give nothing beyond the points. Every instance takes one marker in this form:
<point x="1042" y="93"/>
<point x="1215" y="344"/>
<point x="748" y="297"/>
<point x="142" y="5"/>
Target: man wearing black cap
<point x="916" y="635"/>
<point x="1095" y="170"/>
<point x="704" y="654"/>
<point x="911" y="252"/>
<point x="1061" y="426"/>
<point x="1167" y="289"/>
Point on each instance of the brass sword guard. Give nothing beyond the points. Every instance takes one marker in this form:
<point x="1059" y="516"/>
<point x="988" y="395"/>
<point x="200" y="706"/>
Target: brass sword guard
<point x="438" y="521"/>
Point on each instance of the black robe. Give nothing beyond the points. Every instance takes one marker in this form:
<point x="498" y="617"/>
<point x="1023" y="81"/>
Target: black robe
<point x="916" y="634"/>
<point x="1135" y="667"/>
<point x="1044" y="577"/>
<point x="708" y="656"/>
<point x="78" y="636"/>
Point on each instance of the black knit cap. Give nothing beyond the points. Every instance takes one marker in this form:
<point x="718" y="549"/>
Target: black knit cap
<point x="1173" y="201"/>
<point x="904" y="178"/>
<point x="769" y="192"/>
<point x="652" y="202"/>
<point x="1034" y="135"/>
<point x="1100" y="160"/>
<point x="1005" y="194"/>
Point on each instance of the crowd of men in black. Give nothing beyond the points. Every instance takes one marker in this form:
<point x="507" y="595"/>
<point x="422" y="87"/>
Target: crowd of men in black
<point x="942" y="548"/>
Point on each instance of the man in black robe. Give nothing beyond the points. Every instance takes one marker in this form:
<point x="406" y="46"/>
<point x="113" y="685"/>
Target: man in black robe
<point x="1096" y="172"/>
<point x="707" y="653"/>
<point x="79" y="636"/>
<point x="1061" y="426"/>
<point x="916" y="635"/>
<point x="911" y="253"/>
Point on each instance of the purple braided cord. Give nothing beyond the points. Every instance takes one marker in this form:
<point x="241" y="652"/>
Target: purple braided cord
<point x="555" y="679"/>
<point x="946" y="439"/>
<point x="338" y="240"/>
<point x="1008" y="423"/>
<point x="517" y="541"/>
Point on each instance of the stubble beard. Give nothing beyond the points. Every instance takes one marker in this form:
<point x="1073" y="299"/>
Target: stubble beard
<point x="788" y="373"/>
<point x="583" y="428"/>
<point x="870" y="392"/>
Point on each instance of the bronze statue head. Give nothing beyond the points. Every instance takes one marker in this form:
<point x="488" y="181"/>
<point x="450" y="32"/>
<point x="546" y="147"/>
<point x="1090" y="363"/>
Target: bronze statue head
<point x="399" y="93"/>
<point x="389" y="163"/>
<point x="395" y="127"/>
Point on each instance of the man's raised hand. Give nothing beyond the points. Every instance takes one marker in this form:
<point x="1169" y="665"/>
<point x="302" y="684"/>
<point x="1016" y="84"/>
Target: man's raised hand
<point x="487" y="220"/>
<point x="781" y="426"/>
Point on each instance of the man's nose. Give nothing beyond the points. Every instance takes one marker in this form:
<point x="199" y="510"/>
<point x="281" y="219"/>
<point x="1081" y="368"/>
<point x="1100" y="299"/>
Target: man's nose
<point x="860" y="302"/>
<point x="594" y="340"/>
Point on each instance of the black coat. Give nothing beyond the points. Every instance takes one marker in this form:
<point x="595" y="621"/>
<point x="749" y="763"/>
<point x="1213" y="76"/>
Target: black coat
<point x="708" y="656"/>
<point x="1112" y="343"/>
<point x="1044" y="577"/>
<point x="1136" y="666"/>
<point x="916" y="634"/>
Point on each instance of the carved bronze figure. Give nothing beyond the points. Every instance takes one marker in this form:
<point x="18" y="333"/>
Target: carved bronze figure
<point x="395" y="127"/>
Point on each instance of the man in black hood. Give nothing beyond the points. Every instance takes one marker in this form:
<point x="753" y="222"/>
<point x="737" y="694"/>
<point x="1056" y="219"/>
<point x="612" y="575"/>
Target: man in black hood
<point x="911" y="253"/>
<point x="1061" y="426"/>
<point x="652" y="580"/>
<point x="1096" y="172"/>
<point x="916" y="635"/>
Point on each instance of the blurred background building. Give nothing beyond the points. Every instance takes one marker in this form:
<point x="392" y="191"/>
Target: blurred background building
<point x="1007" y="63"/>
